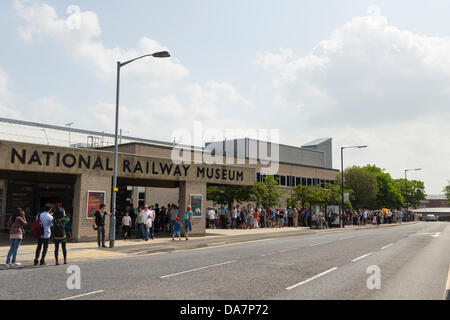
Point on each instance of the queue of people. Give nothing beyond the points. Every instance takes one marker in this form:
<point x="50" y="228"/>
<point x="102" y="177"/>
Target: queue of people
<point x="249" y="217"/>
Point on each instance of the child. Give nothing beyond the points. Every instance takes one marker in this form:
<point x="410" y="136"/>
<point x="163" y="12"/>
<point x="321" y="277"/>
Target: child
<point x="176" y="229"/>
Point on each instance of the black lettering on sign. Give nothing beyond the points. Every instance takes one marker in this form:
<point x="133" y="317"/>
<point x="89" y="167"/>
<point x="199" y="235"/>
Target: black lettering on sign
<point x="58" y="155"/>
<point x="186" y="168"/>
<point x="47" y="158"/>
<point x="240" y="174"/>
<point x="15" y="154"/>
<point x="224" y="174"/>
<point x="82" y="160"/>
<point x="69" y="164"/>
<point x="177" y="171"/>
<point x="35" y="158"/>
<point x="147" y="168"/>
<point x="217" y="173"/>
<point x="165" y="168"/>
<point x="98" y="164"/>
<point x="153" y="169"/>
<point x="126" y="165"/>
<point x="108" y="167"/>
<point x="230" y="177"/>
<point x="138" y="167"/>
<point x="208" y="171"/>
<point x="201" y="171"/>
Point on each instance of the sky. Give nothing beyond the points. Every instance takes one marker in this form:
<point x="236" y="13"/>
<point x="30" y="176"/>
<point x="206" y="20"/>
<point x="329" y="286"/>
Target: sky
<point x="373" y="73"/>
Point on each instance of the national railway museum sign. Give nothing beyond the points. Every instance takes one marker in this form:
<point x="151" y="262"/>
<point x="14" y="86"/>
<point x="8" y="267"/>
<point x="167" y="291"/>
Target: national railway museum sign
<point x="51" y="159"/>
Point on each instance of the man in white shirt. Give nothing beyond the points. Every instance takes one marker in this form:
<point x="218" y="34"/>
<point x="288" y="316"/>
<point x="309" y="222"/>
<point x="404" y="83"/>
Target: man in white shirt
<point x="151" y="216"/>
<point x="46" y="218"/>
<point x="212" y="218"/>
<point x="142" y="220"/>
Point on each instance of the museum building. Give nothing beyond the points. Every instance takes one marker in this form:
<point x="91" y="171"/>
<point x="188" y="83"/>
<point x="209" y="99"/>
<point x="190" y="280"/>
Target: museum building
<point x="37" y="168"/>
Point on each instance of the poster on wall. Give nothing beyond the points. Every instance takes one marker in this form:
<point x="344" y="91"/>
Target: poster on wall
<point x="94" y="200"/>
<point x="196" y="205"/>
<point x="333" y="213"/>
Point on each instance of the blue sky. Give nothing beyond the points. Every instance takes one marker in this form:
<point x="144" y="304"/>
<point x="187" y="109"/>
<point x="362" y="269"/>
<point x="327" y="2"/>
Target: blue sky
<point x="380" y="80"/>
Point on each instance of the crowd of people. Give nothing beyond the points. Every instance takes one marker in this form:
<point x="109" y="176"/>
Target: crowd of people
<point x="249" y="217"/>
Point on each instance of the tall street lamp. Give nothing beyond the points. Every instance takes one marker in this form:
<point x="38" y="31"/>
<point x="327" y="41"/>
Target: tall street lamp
<point x="112" y="229"/>
<point x="406" y="186"/>
<point x="342" y="179"/>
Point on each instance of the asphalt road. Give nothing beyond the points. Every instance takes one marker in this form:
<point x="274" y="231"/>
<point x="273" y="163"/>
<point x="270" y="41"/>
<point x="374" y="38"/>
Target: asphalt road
<point x="413" y="263"/>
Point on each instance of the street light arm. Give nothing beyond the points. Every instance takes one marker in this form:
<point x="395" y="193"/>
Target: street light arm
<point x="161" y="54"/>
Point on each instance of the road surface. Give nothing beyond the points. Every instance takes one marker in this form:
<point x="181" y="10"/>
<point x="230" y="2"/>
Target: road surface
<point x="412" y="260"/>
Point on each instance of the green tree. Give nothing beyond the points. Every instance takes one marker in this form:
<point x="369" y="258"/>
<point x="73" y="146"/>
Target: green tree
<point x="267" y="193"/>
<point x="413" y="191"/>
<point x="364" y="185"/>
<point x="447" y="192"/>
<point x="389" y="194"/>
<point x="227" y="194"/>
<point x="334" y="193"/>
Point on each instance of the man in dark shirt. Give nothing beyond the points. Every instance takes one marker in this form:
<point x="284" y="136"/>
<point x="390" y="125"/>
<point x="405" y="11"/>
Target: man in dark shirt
<point x="99" y="224"/>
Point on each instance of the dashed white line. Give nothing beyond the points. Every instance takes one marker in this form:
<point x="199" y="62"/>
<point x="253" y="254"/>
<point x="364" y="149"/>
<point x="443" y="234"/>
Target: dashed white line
<point x="359" y="258"/>
<point x="182" y="272"/>
<point x="82" y="295"/>
<point x="287" y="250"/>
<point x="310" y="279"/>
<point x="387" y="246"/>
<point x="316" y="244"/>
<point x="267" y="254"/>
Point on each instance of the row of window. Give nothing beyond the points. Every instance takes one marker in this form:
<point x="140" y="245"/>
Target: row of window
<point x="291" y="181"/>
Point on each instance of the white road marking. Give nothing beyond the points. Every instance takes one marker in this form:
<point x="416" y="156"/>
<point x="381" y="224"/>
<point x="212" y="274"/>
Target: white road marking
<point x="346" y="238"/>
<point x="82" y="295"/>
<point x="312" y="278"/>
<point x="187" y="271"/>
<point x="316" y="244"/>
<point x="288" y="250"/>
<point x="437" y="234"/>
<point x="267" y="254"/>
<point x="387" y="246"/>
<point x="359" y="258"/>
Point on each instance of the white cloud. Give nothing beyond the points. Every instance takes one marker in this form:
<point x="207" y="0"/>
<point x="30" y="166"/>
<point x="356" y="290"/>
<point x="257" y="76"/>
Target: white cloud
<point x="372" y="83"/>
<point x="367" y="69"/>
<point x="42" y="22"/>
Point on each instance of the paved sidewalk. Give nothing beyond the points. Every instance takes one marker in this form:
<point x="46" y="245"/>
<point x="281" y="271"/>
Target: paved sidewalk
<point x="131" y="247"/>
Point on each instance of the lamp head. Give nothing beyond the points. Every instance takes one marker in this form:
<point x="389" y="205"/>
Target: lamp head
<point x="161" y="54"/>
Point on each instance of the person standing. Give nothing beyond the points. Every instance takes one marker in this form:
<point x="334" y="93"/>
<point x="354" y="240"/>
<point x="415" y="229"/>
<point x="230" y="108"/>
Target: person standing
<point x="173" y="216"/>
<point x="16" y="224"/>
<point x="176" y="229"/>
<point x="138" y="224"/>
<point x="126" y="225"/>
<point x="143" y="219"/>
<point x="295" y="218"/>
<point x="234" y="217"/>
<point x="212" y="218"/>
<point x="99" y="225"/>
<point x="60" y="220"/>
<point x="188" y="221"/>
<point x="152" y="215"/>
<point x="223" y="212"/>
<point x="46" y="218"/>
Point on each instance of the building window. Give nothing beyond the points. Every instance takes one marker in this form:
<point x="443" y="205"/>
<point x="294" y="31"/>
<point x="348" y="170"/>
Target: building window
<point x="283" y="181"/>
<point x="310" y="181"/>
<point x="258" y="177"/>
<point x="298" y="181"/>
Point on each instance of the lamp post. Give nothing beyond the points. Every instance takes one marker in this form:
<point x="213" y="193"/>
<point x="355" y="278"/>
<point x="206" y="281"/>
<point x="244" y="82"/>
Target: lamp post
<point x="70" y="129"/>
<point x="342" y="179"/>
<point x="406" y="188"/>
<point x="112" y="226"/>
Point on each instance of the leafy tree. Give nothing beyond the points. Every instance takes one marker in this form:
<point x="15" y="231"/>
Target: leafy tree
<point x="333" y="193"/>
<point x="447" y="192"/>
<point x="364" y="185"/>
<point x="413" y="191"/>
<point x="227" y="194"/>
<point x="389" y="194"/>
<point x="267" y="193"/>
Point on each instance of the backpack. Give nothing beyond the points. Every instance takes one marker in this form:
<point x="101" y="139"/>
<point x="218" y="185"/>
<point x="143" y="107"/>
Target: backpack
<point x="37" y="228"/>
<point x="186" y="216"/>
<point x="59" y="230"/>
